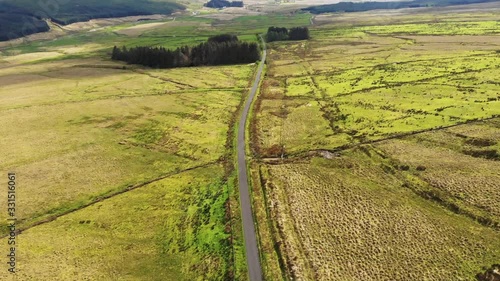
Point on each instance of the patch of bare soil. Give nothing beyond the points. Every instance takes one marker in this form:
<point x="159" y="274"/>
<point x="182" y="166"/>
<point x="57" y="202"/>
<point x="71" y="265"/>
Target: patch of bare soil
<point x="231" y="13"/>
<point x="141" y="28"/>
<point x="95" y="24"/>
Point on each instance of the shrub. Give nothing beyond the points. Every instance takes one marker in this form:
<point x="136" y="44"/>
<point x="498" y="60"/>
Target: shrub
<point x="491" y="274"/>
<point x="421" y="168"/>
<point x="404" y="167"/>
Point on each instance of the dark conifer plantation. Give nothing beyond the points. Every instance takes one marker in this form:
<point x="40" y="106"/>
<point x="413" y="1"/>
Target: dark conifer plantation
<point x="282" y="33"/>
<point x="218" y="50"/>
<point x="298" y="33"/>
<point x="219" y="4"/>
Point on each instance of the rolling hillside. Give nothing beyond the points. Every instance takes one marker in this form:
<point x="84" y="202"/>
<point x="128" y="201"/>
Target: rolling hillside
<point x="23" y="17"/>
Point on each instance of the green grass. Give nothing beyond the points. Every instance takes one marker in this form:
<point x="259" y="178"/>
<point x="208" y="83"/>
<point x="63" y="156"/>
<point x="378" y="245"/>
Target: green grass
<point x="260" y="24"/>
<point x="349" y="85"/>
<point x="185" y="30"/>
<point x="442" y="28"/>
<point x="174" y="229"/>
<point x="266" y="243"/>
<point x="134" y="125"/>
<point x="90" y="128"/>
<point x="87" y="128"/>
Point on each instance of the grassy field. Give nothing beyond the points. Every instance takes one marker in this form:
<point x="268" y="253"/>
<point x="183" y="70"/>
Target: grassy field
<point x="82" y="134"/>
<point x="97" y="38"/>
<point x="371" y="161"/>
<point x="421" y="207"/>
<point x="101" y="146"/>
<point x="138" y="235"/>
<point x="349" y="85"/>
<point x="126" y="173"/>
<point x="350" y="219"/>
<point x="456" y="166"/>
<point x="137" y="125"/>
<point x="135" y="163"/>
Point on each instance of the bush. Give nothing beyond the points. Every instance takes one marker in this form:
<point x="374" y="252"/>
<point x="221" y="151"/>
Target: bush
<point x="404" y="167"/>
<point x="492" y="274"/>
<point x="421" y="168"/>
<point x="275" y="151"/>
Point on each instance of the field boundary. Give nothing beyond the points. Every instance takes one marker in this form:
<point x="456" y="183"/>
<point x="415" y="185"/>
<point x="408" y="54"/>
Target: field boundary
<point x="319" y="151"/>
<point x="109" y="196"/>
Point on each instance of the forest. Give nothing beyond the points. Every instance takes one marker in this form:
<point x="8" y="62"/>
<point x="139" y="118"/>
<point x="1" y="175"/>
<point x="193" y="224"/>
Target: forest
<point x="19" y="18"/>
<point x="283" y="34"/>
<point x="10" y="27"/>
<point x="221" y="49"/>
<point x="218" y="4"/>
<point x="367" y="6"/>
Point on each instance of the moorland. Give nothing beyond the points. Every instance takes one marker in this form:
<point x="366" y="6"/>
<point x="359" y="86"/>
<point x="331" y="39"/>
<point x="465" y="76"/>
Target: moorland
<point x="127" y="171"/>
<point x="373" y="148"/>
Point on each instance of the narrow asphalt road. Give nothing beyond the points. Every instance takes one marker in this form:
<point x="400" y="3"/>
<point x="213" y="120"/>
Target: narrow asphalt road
<point x="252" y="251"/>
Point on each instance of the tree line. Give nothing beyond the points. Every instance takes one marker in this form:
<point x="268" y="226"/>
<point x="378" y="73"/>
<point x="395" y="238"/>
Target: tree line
<point x="283" y="34"/>
<point x="218" y="50"/>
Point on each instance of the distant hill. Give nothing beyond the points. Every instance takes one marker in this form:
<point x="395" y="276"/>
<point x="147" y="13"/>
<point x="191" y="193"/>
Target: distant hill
<point x="367" y="6"/>
<point x="23" y="17"/>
